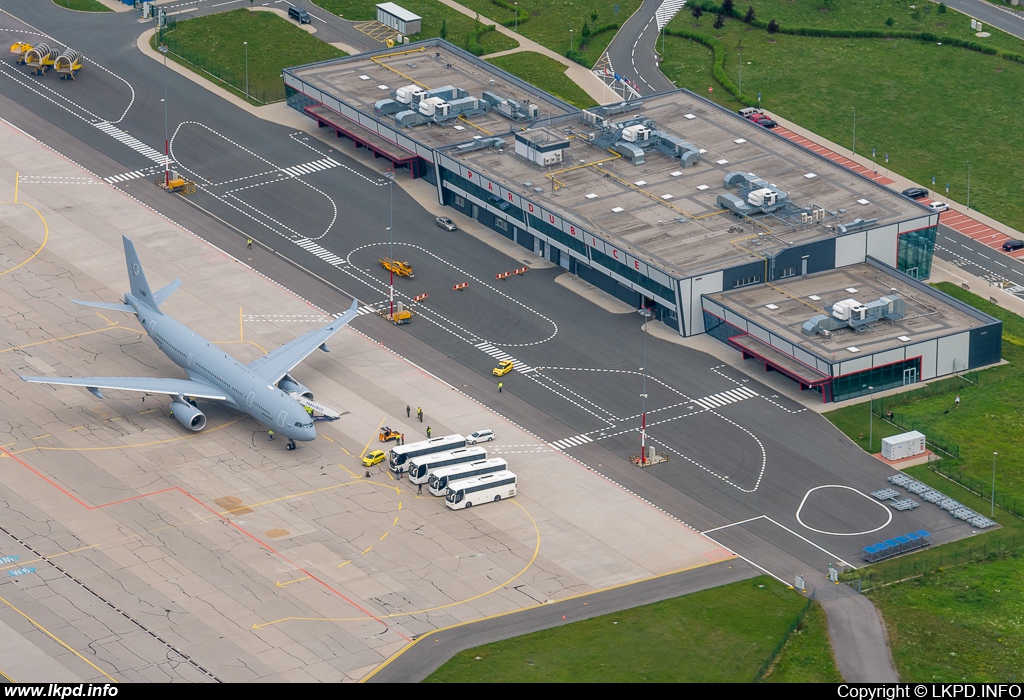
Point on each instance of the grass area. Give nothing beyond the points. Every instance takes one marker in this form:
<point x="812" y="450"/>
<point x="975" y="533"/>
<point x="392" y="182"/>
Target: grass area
<point x="963" y="623"/>
<point x="736" y="626"/>
<point x="82" y="5"/>
<point x="214" y="47"/>
<point x="913" y="99"/>
<point x="807" y="657"/>
<point x="460" y="29"/>
<point x="546" y="73"/>
<point x="550" y="21"/>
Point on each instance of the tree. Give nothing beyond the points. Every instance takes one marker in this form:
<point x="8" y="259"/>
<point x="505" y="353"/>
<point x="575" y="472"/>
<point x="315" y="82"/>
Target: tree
<point x="444" y="29"/>
<point x="749" y="17"/>
<point x="719" y="21"/>
<point x="697" y="11"/>
<point x="773" y="27"/>
<point x="727" y="7"/>
<point x="942" y="8"/>
<point x="584" y="35"/>
<point x="593" y="16"/>
<point x="890" y="21"/>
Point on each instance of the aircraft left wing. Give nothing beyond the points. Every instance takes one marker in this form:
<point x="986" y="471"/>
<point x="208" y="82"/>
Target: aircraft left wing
<point x="149" y="385"/>
<point x="273" y="366"/>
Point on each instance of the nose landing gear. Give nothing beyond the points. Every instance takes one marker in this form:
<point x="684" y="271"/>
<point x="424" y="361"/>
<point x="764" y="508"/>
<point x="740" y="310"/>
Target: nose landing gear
<point x="290" y="445"/>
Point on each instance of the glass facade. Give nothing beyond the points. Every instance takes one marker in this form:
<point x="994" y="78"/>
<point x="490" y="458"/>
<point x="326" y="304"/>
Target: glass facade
<point x="914" y="253"/>
<point x="885" y="377"/>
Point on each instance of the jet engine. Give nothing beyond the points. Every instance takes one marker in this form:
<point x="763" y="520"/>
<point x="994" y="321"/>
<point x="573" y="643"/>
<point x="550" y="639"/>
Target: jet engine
<point x="290" y="386"/>
<point x="188" y="415"/>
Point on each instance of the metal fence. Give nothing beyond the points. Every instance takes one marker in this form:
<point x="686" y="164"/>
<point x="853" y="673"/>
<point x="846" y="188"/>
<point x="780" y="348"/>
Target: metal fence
<point x="981" y="487"/>
<point x="920" y="564"/>
<point x="884" y="410"/>
<point x="762" y="671"/>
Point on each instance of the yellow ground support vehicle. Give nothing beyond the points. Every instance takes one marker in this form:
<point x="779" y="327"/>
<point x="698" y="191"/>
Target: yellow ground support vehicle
<point x="387" y="434"/>
<point x="20" y="48"/>
<point x="401" y="316"/>
<point x="176" y="183"/>
<point x="503" y="368"/>
<point x="402" y="269"/>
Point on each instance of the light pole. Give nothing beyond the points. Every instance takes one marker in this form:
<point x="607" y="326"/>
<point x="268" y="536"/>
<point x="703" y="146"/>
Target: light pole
<point x="390" y="175"/>
<point x="517" y="17"/>
<point x="646" y="313"/>
<point x="167" y="142"/>
<point x="871" y="421"/>
<point x="570" y="41"/>
<point x="246" y="70"/>
<point x="854" y="131"/>
<point x="993" y="513"/>
<point x="968" y="185"/>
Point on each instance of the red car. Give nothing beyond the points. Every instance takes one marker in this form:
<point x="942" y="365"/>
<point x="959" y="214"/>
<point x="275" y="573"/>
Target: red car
<point x="763" y="120"/>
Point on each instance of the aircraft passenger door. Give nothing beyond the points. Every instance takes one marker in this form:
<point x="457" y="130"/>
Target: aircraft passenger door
<point x="250" y="398"/>
<point x="189" y="359"/>
<point x="282" y="418"/>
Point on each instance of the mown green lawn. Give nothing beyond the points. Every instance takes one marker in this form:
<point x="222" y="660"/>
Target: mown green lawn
<point x="930" y="108"/>
<point x="543" y="71"/>
<point x="214" y="47"/>
<point x="551" y="20"/>
<point x="720" y="635"/>
<point x="83" y="5"/>
<point x="459" y="28"/>
<point x="807" y="657"/>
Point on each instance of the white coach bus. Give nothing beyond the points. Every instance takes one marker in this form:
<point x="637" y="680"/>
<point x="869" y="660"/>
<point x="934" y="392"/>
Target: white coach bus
<point x="440" y="479"/>
<point x="420" y="468"/>
<point x="483" y="489"/>
<point x="402" y="453"/>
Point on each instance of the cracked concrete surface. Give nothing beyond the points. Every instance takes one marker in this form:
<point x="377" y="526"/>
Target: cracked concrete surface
<point x="165" y="556"/>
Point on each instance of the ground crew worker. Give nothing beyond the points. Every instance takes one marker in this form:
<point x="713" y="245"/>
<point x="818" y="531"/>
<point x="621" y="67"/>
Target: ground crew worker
<point x="500" y="385"/>
<point x="248" y="243"/>
<point x="428" y="431"/>
<point x="419" y="413"/>
<point x="408" y="410"/>
<point x="419" y="489"/>
<point x="309" y="410"/>
<point x="270" y="434"/>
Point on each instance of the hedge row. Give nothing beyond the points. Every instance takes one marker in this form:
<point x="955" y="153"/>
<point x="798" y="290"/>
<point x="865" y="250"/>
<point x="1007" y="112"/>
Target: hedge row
<point x="473" y="42"/>
<point x="718" y="68"/>
<point x="522" y="15"/>
<point x="574" y="54"/>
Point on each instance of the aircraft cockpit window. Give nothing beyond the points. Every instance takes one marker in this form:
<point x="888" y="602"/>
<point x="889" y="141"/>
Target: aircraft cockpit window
<point x="303" y="425"/>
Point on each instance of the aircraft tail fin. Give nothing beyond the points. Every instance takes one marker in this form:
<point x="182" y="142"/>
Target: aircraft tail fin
<point x="137" y="278"/>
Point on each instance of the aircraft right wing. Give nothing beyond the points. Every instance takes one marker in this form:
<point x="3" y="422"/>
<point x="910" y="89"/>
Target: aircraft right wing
<point x="274" y="365"/>
<point x="149" y="385"/>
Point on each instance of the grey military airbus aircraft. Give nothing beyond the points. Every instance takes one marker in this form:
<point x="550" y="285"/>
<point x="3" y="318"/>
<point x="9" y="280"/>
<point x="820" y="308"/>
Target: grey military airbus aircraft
<point x="262" y="389"/>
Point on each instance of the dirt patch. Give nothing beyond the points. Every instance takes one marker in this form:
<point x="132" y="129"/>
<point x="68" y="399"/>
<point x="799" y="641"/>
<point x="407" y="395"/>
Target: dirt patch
<point x="233" y="505"/>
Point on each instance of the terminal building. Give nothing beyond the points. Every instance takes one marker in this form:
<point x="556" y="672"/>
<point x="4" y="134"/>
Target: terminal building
<point x="670" y="202"/>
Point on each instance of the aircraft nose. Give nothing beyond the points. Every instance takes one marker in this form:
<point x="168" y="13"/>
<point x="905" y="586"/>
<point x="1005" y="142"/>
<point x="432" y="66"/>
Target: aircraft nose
<point x="308" y="434"/>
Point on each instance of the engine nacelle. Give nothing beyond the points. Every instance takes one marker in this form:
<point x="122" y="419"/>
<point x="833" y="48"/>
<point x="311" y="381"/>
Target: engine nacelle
<point x="188" y="415"/>
<point x="290" y="386"/>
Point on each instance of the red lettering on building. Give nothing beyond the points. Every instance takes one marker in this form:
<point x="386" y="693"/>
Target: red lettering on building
<point x="636" y="264"/>
<point x="593" y="242"/>
<point x="469" y="174"/>
<point x="615" y="254"/>
<point x="490" y="187"/>
<point x="572" y="230"/>
<point x="510" y="196"/>
<point x="551" y="218"/>
<point x="530" y="207"/>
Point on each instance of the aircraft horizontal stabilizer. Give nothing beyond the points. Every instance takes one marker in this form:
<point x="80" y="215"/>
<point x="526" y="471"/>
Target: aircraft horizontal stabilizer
<point x="105" y="305"/>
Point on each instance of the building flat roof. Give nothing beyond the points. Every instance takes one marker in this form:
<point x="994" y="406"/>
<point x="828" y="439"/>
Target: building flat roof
<point x="658" y="211"/>
<point x="929" y="314"/>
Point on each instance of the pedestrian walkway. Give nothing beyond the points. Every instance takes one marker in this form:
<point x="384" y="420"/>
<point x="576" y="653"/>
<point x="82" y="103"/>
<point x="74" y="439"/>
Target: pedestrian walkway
<point x="837" y="158"/>
<point x="724" y="398"/>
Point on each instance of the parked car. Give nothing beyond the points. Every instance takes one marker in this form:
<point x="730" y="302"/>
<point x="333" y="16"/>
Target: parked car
<point x="1011" y="245"/>
<point x="375" y="457"/>
<point x="479" y="436"/>
<point x="764" y="120"/>
<point x="915" y="192"/>
<point x="938" y="206"/>
<point x="446" y="223"/>
<point x="300" y="16"/>
<point x="748" y="112"/>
